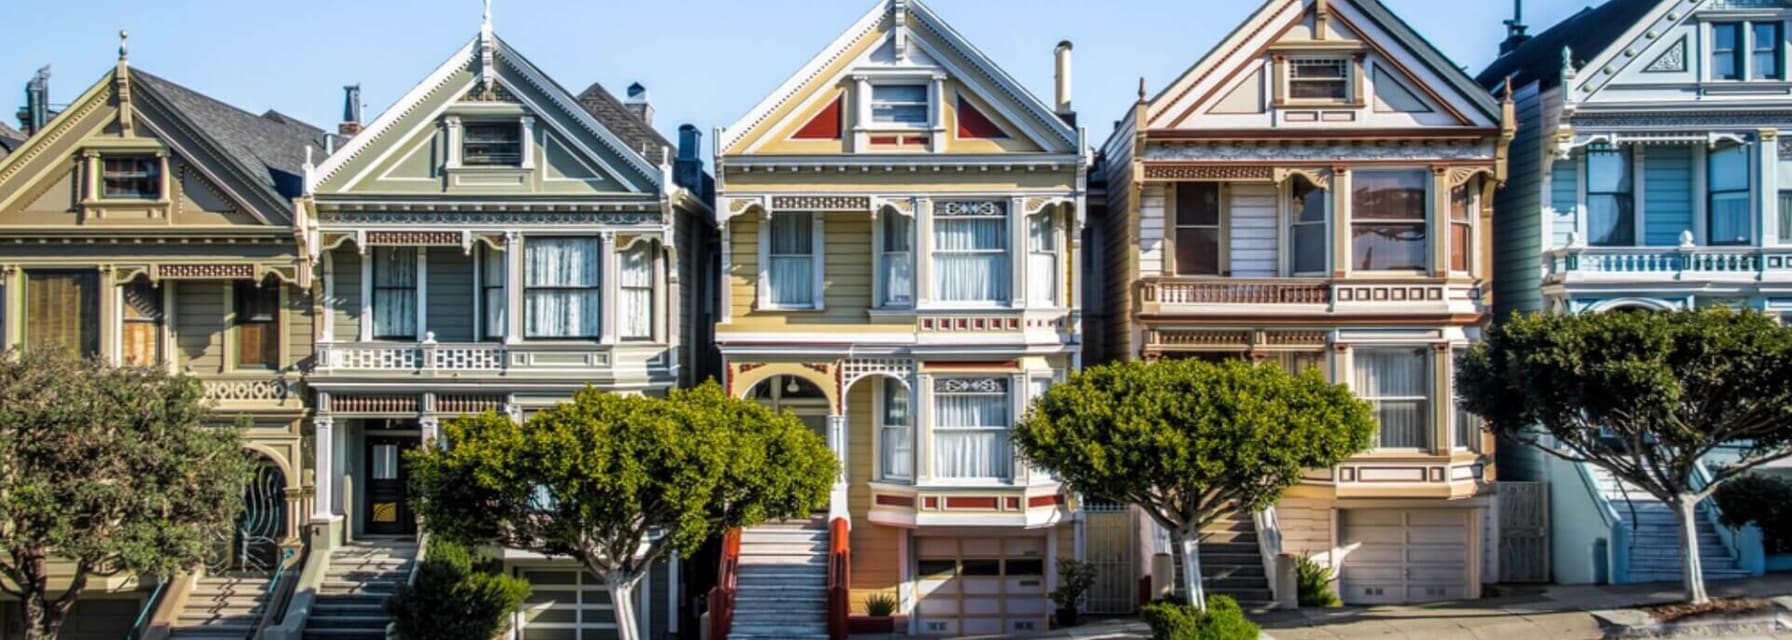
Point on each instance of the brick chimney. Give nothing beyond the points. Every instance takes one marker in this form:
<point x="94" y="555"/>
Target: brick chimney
<point x="351" y="111"/>
<point x="639" y="103"/>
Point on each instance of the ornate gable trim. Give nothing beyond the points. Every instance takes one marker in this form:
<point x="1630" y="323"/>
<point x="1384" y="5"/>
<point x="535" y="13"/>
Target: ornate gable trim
<point x="1605" y="66"/>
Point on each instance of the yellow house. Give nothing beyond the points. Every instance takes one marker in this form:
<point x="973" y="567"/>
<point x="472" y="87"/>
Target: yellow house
<point x="900" y="224"/>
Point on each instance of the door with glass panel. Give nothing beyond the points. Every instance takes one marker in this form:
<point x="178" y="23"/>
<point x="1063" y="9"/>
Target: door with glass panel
<point x="388" y="510"/>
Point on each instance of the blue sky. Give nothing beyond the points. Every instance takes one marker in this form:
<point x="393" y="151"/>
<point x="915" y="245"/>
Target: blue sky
<point x="704" y="61"/>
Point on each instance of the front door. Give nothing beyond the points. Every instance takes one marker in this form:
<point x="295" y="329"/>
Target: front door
<point x="388" y="513"/>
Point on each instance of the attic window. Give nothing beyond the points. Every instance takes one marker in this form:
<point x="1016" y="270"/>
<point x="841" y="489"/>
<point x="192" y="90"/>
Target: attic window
<point x="1319" y="79"/>
<point x="489" y="144"/>
<point x="904" y="105"/>
<point x="132" y="177"/>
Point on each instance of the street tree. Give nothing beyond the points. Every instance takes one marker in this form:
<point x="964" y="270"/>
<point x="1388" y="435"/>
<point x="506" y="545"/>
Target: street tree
<point x="1644" y="395"/>
<point x="620" y="482"/>
<point x="1190" y="441"/>
<point x="105" y="471"/>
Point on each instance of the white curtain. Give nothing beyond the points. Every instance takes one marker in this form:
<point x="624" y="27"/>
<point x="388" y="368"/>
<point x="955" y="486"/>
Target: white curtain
<point x="636" y="295"/>
<point x="898" y="260"/>
<point x="1042" y="259"/>
<point x="898" y="435"/>
<point x="793" y="259"/>
<point x="561" y="296"/>
<point x="970" y="259"/>
<point x="1729" y="186"/>
<point x="493" y="273"/>
<point x="1394" y="381"/>
<point x="970" y="435"/>
<point x="395" y="292"/>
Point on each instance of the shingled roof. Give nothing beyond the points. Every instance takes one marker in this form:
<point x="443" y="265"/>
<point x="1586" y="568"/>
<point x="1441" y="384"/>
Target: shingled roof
<point x="628" y="126"/>
<point x="269" y="147"/>
<point x="10" y="139"/>
<point x="1587" y="33"/>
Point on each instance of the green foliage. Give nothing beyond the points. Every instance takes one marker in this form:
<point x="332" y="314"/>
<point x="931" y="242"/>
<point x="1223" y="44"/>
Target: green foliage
<point x="1074" y="579"/>
<point x="456" y="597"/>
<point x="1313" y="583"/>
<point x="618" y="482"/>
<point x="1223" y="620"/>
<point x="110" y="469"/>
<point x="880" y="605"/>
<point x="1763" y="501"/>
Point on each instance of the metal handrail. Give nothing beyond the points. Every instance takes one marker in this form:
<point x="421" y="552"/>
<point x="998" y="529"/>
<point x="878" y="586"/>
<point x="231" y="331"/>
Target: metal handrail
<point x="148" y="606"/>
<point x="269" y="608"/>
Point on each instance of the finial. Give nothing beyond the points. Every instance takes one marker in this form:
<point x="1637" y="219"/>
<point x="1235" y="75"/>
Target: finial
<point x="1141" y="88"/>
<point x="488" y="15"/>
<point x="124" y="38"/>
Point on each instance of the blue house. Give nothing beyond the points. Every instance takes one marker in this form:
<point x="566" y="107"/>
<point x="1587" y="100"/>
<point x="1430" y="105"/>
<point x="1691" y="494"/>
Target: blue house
<point x="1649" y="172"/>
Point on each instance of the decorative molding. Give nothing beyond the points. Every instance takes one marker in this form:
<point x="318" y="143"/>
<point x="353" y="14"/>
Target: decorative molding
<point x="1317" y="152"/>
<point x="1708" y="119"/>
<point x="986" y="384"/>
<point x="904" y="206"/>
<point x="1237" y="340"/>
<point x="1671" y="61"/>
<point x="1389" y="293"/>
<point x="1170" y="172"/>
<point x="414" y="238"/>
<point x="462" y="218"/>
<point x="203" y="272"/>
<point x="960" y="208"/>
<point x="1316" y="177"/>
<point x="821" y="203"/>
<point x="852" y="371"/>
<point x="1459" y="176"/>
<point x="1035" y="204"/>
<point x="1294" y="338"/>
<point x="406" y="404"/>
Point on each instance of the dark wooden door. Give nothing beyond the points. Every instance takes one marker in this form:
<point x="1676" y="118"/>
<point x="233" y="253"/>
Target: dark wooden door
<point x="388" y="510"/>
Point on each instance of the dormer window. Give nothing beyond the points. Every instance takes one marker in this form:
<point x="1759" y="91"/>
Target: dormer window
<point x="1319" y="79"/>
<point x="131" y="178"/>
<point x="493" y="144"/>
<point x="1746" y="50"/>
<point x="900" y="105"/>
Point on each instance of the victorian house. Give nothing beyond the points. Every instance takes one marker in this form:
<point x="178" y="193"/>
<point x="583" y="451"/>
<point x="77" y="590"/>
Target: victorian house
<point x="1648" y="173"/>
<point x="1315" y="194"/>
<point x="150" y="225"/>
<point x="491" y="242"/>
<point x="900" y="224"/>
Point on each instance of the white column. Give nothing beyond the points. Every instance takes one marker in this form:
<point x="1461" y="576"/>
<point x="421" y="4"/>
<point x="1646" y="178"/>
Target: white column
<point x="923" y="428"/>
<point x="324" y="450"/>
<point x="431" y="427"/>
<point x="837" y="498"/>
<point x="528" y="124"/>
<point x="609" y="277"/>
<point x="1018" y="248"/>
<point x="422" y="294"/>
<point x="513" y="287"/>
<point x="1767" y="188"/>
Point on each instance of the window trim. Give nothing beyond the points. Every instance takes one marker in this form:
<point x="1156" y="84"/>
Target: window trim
<point x="1738" y="53"/>
<point x="1347" y="64"/>
<point x="1778" y="50"/>
<point x="604" y="275"/>
<point x="466" y="141"/>
<point x="1327" y="216"/>
<point x="1056" y="250"/>
<point x="1427" y="221"/>
<point x="484" y="287"/>
<point x="158" y="323"/>
<point x="1222" y="229"/>
<point x="1471" y="212"/>
<point x="818" y="257"/>
<point x="23" y="322"/>
<point x="157" y="176"/>
<point x="648" y="247"/>
<point x="418" y="285"/>
<point x="932" y="251"/>
<point x="1007" y="475"/>
<point x="879" y="402"/>
<point x="1743" y="54"/>
<point x="1458" y="414"/>
<point x="1427" y="413"/>
<point x="276" y="323"/>
<point x="880" y="259"/>
<point x="1747" y="191"/>
<point x="926" y="105"/>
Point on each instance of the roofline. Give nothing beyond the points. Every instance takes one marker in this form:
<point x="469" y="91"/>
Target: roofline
<point x="732" y="133"/>
<point x="1429" y="54"/>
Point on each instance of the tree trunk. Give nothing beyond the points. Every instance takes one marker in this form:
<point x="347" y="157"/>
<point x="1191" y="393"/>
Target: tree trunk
<point x="622" y="597"/>
<point x="1190" y="543"/>
<point x="36" y="618"/>
<point x="1691" y="570"/>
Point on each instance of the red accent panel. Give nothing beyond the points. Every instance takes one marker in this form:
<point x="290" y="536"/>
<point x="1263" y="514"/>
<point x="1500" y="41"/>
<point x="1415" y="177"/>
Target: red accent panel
<point x="824" y="126"/>
<point x="988" y="503"/>
<point x="1045" y="501"/>
<point x="973" y="124"/>
<point x="886" y="140"/>
<point x="1011" y="504"/>
<point x="839" y="577"/>
<point x="721" y="597"/>
<point x="895" y="501"/>
<point x="930" y="502"/>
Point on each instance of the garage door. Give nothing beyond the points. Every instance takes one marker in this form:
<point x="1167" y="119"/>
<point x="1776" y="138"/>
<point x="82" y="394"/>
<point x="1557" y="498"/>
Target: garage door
<point x="566" y="605"/>
<point x="1395" y="556"/>
<point x="977" y="586"/>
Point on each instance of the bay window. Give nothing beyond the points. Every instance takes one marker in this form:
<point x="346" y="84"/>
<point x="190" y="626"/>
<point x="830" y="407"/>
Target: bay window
<point x="897" y="436"/>
<point x="970" y="253"/>
<point x="1728" y="208"/>
<point x="257" y="311"/>
<point x="1042" y="259"/>
<point x="1396" y="384"/>
<point x="791" y="257"/>
<point x="970" y="433"/>
<point x="561" y="298"/>
<point x="1462" y="222"/>
<point x="1785" y="213"/>
<point x="1307" y="239"/>
<point x="494" y="271"/>
<point x="1387" y="226"/>
<point x="1197" y="229"/>
<point x="62" y="311"/>
<point x="1611" y="198"/>
<point x="636" y="292"/>
<point x="897" y="260"/>
<point x="142" y="329"/>
<point x="395" y="293"/>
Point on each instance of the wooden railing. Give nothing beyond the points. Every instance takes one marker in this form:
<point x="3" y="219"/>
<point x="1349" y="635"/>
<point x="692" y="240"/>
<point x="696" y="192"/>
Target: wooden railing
<point x="839" y="577"/>
<point x="1672" y="261"/>
<point x="1230" y="291"/>
<point x="721" y="597"/>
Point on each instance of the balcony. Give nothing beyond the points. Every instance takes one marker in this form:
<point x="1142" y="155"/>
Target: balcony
<point x="1181" y="296"/>
<point x="1668" y="264"/>
<point x="581" y="360"/>
<point x="1459" y="475"/>
<point x="908" y="506"/>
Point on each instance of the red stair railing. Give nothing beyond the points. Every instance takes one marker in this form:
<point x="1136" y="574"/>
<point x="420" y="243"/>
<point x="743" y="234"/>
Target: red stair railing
<point x="839" y="577"/>
<point x="721" y="597"/>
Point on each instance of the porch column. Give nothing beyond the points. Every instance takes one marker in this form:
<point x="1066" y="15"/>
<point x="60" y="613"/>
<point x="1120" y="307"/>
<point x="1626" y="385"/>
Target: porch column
<point x="1767" y="191"/>
<point x="323" y="447"/>
<point x="1341" y="240"/>
<point x="431" y="426"/>
<point x="923" y="403"/>
<point x="837" y="499"/>
<point x="609" y="279"/>
<point x="513" y="287"/>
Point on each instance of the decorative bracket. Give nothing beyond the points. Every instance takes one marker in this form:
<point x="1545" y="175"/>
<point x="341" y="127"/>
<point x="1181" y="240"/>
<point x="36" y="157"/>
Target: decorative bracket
<point x="1316" y="177"/>
<point x="1461" y="175"/>
<point x="732" y="207"/>
<point x="903" y="206"/>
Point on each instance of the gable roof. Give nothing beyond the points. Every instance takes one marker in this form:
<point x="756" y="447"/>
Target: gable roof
<point x="924" y="17"/>
<point x="625" y="123"/>
<point x="270" y="150"/>
<point x="1586" y="33"/>
<point x="1434" y="58"/>
<point x="10" y="139"/>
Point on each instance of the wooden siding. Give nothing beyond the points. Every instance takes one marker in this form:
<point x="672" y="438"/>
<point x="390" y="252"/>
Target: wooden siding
<point x="1564" y="196"/>
<point x="1667" y="194"/>
<point x="1517" y="220"/>
<point x="450" y="294"/>
<point x="345" y="295"/>
<point x="1153" y="212"/>
<point x="1253" y="235"/>
<point x="1306" y="528"/>
<point x="846" y="272"/>
<point x="199" y="324"/>
<point x="875" y="557"/>
<point x="1118" y="257"/>
<point x="301" y="330"/>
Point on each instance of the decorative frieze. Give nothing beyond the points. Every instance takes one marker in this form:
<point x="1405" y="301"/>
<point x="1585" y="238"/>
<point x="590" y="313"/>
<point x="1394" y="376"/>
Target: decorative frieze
<point x="821" y="203"/>
<point x="504" y="218"/>
<point x="413" y="238"/>
<point x="967" y="208"/>
<point x="1389" y="293"/>
<point x="374" y="404"/>
<point x="1278" y="152"/>
<point x="264" y="389"/>
<point x="205" y="272"/>
<point x="993" y="384"/>
<point x="468" y="404"/>
<point x="1228" y="173"/>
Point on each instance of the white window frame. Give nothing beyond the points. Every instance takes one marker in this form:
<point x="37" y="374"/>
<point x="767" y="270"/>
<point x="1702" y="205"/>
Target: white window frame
<point x="606" y="274"/>
<point x="1010" y="239"/>
<point x="880" y="403"/>
<point x="1055" y="250"/>
<point x="650" y="248"/>
<point x="1292" y="221"/>
<point x="1428" y="411"/>
<point x="1010" y="402"/>
<point x="925" y="105"/>
<point x="881" y="260"/>
<point x="818" y="253"/>
<point x="1348" y="80"/>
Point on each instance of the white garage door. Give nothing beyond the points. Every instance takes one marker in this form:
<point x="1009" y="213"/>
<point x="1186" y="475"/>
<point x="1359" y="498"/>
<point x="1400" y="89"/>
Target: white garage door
<point x="566" y="605"/>
<point x="978" y="586"/>
<point x="1397" y="556"/>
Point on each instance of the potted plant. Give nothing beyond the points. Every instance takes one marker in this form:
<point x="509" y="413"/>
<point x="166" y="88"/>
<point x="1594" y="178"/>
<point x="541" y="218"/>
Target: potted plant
<point x="1074" y="579"/>
<point x="880" y="612"/>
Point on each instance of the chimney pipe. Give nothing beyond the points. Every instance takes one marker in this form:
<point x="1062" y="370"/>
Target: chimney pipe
<point x="36" y="113"/>
<point x="1063" y="78"/>
<point x="640" y="103"/>
<point x="351" y="111"/>
<point x="687" y="171"/>
<point x="1516" y="31"/>
<point x="689" y="138"/>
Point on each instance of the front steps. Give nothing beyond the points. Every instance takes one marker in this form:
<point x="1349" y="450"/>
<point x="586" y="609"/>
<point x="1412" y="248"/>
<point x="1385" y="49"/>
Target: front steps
<point x="783" y="582"/>
<point x="228" y="606"/>
<point x="363" y="574"/>
<point x="1231" y="562"/>
<point x="1655" y="535"/>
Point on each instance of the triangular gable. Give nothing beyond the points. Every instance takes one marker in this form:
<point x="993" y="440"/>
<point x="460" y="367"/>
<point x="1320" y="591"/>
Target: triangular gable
<point x="389" y="148"/>
<point x="1660" y="47"/>
<point x="1220" y="82"/>
<point x="925" y="37"/>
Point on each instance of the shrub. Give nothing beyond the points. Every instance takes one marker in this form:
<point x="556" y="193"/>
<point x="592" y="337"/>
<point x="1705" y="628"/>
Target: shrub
<point x="456" y="597"/>
<point x="1074" y="579"/>
<point x="1313" y="582"/>
<point x="880" y="605"/>
<point x="1223" y="620"/>
<point x="1764" y="501"/>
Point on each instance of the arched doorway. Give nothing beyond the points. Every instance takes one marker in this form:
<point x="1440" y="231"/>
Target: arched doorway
<point x="252" y="543"/>
<point x="798" y="396"/>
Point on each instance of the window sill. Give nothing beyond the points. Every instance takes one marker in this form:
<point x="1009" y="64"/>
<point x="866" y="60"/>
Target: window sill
<point x="892" y="312"/>
<point x="775" y="309"/>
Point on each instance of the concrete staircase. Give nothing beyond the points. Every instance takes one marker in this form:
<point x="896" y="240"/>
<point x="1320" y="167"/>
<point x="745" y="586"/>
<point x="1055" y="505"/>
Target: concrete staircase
<point x="783" y="582"/>
<point x="1231" y="562"/>
<point x="350" y="604"/>
<point x="222" y="606"/>
<point x="1655" y="535"/>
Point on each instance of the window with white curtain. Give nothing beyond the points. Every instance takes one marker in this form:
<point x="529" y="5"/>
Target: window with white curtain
<point x="970" y="252"/>
<point x="394" y="293"/>
<point x="1729" y="206"/>
<point x="561" y="298"/>
<point x="895" y="424"/>
<point x="1466" y="432"/>
<point x="1042" y="259"/>
<point x="1394" y="381"/>
<point x="897" y="256"/>
<point x="493" y="272"/>
<point x="792" y="259"/>
<point x="970" y="429"/>
<point x="635" y="292"/>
